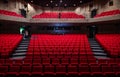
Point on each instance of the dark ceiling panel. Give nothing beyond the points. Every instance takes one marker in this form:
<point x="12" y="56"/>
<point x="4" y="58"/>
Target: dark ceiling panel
<point x="58" y="3"/>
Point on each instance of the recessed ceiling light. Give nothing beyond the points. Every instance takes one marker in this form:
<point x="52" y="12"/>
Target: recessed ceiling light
<point x="65" y="4"/>
<point x="61" y="1"/>
<point x="51" y="1"/>
<point x="31" y="0"/>
<point x="56" y="4"/>
<point x="46" y="4"/>
<point x="74" y="4"/>
<point x="80" y="1"/>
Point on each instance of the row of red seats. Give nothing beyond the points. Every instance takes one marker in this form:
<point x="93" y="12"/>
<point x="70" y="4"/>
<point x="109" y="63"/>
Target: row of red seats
<point x="108" y="13"/>
<point x="47" y="15"/>
<point x="111" y="43"/>
<point x="60" y="45"/>
<point x="8" y="43"/>
<point x="39" y="70"/>
<point x="71" y="15"/>
<point x="63" y="61"/>
<point x="57" y="15"/>
<point x="10" y="13"/>
<point x="51" y="55"/>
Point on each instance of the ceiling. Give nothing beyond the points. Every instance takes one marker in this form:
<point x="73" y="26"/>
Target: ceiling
<point x="58" y="3"/>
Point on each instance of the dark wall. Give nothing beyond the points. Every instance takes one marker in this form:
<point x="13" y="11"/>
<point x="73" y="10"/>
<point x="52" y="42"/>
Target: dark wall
<point x="9" y="28"/>
<point x="57" y="28"/>
<point x="109" y="28"/>
<point x="68" y="28"/>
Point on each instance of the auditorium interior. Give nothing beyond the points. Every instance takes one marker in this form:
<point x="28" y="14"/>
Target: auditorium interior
<point x="59" y="38"/>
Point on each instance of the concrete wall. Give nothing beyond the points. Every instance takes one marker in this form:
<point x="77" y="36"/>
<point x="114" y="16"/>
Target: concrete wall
<point x="16" y="5"/>
<point x="33" y="10"/>
<point x="12" y="5"/>
<point x="105" y="5"/>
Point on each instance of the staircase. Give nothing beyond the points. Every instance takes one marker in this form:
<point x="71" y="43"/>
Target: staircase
<point x="98" y="51"/>
<point x="21" y="50"/>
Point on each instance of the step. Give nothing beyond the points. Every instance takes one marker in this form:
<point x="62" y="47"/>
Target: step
<point x="97" y="50"/>
<point x="17" y="57"/>
<point x="92" y="41"/>
<point x="23" y="45"/>
<point x="100" y="54"/>
<point x="20" y="50"/>
<point x="24" y="42"/>
<point x="95" y="45"/>
<point x="102" y="57"/>
<point x="19" y="54"/>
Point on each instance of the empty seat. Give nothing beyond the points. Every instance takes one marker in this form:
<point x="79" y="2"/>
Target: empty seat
<point x="74" y="61"/>
<point x="108" y="71"/>
<point x="9" y="62"/>
<point x="2" y="61"/>
<point x="3" y="70"/>
<point x="72" y="70"/>
<point x="92" y="61"/>
<point x="18" y="62"/>
<point x="36" y="61"/>
<point x="46" y="61"/>
<point x="102" y="61"/>
<point x="65" y="61"/>
<point x="27" y="61"/>
<point x="49" y="70"/>
<point x="61" y="69"/>
<point x="13" y="70"/>
<point x="37" y="70"/>
<point x="55" y="61"/>
<point x="96" y="70"/>
<point x="84" y="70"/>
<point x="25" y="70"/>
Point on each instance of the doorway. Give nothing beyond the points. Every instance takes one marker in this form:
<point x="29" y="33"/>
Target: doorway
<point x="92" y="30"/>
<point x="93" y="13"/>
